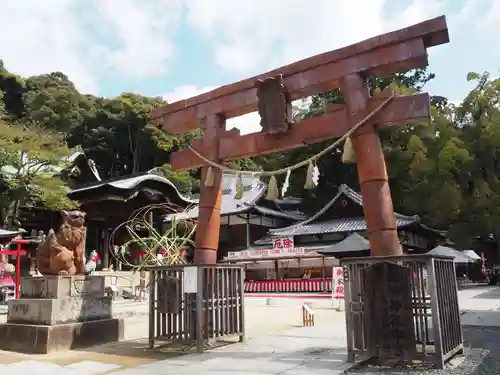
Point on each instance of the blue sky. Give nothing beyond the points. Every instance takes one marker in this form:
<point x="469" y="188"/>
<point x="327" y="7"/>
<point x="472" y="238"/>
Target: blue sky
<point x="178" y="48"/>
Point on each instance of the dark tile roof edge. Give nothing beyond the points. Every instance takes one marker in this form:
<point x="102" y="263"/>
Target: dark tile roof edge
<point x="136" y="180"/>
<point x="352" y="195"/>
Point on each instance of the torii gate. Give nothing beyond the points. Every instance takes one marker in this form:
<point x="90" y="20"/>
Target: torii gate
<point x="346" y="68"/>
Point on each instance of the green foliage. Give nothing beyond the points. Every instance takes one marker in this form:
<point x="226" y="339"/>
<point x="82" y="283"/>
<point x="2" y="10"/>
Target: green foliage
<point x="53" y="101"/>
<point x="29" y="158"/>
<point x="446" y="171"/>
<point x="184" y="181"/>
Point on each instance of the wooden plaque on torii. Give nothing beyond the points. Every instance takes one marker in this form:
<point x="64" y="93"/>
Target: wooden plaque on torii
<point x="346" y="68"/>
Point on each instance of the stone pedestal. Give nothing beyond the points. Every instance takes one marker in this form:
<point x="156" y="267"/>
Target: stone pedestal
<point x="59" y="313"/>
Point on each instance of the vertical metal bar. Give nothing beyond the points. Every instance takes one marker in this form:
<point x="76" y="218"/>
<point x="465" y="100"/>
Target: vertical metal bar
<point x="152" y="308"/>
<point x="159" y="314"/>
<point x="234" y="300"/>
<point x="205" y="292"/>
<point x="165" y="330"/>
<point x="423" y="307"/>
<point x="175" y="326"/>
<point x="445" y="316"/>
<point x="224" y="301"/>
<point x="456" y="308"/>
<point x="241" y="304"/>
<point x="436" y="321"/>
<point x="211" y="288"/>
<point x="347" y="308"/>
<point x="415" y="299"/>
<point x="199" y="311"/>
<point x="186" y="306"/>
<point x="218" y="302"/>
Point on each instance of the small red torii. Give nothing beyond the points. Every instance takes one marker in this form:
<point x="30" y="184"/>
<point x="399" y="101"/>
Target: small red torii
<point x="18" y="252"/>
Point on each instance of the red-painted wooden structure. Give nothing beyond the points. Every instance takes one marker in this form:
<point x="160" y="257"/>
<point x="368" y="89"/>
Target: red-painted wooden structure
<point x="18" y="252"/>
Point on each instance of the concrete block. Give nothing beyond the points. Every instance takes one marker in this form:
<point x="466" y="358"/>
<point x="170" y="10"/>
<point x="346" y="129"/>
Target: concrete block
<point x="62" y="286"/>
<point x="38" y="339"/>
<point x="61" y="310"/>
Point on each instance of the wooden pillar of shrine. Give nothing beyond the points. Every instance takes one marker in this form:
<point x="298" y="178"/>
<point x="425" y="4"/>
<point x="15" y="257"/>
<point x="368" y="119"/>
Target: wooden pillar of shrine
<point x="377" y="201"/>
<point x="208" y="227"/>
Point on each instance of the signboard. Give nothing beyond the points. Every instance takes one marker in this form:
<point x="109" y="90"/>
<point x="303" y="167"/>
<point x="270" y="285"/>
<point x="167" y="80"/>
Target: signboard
<point x="388" y="311"/>
<point x="338" y="283"/>
<point x="266" y="253"/>
<point x="283" y="243"/>
<point x="190" y="280"/>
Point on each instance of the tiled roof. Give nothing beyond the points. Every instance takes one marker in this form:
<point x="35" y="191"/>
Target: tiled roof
<point x="341" y="225"/>
<point x="314" y="226"/>
<point x="458" y="256"/>
<point x="9" y="233"/>
<point x="253" y="190"/>
<point x="130" y="183"/>
<point x="354" y="242"/>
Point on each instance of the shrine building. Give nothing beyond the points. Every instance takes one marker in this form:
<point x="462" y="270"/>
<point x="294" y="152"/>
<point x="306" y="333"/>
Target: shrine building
<point x="107" y="204"/>
<point x="244" y="221"/>
<point x="307" y="249"/>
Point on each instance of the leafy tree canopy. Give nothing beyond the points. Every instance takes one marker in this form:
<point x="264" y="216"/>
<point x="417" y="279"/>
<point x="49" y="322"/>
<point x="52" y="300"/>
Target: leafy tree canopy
<point x="445" y="171"/>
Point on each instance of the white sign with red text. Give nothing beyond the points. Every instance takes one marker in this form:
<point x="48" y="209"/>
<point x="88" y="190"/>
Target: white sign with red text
<point x="265" y="253"/>
<point x="338" y="286"/>
<point x="283" y="243"/>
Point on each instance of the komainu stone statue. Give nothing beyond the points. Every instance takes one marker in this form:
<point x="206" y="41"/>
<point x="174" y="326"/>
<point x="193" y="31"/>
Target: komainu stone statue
<point x="62" y="252"/>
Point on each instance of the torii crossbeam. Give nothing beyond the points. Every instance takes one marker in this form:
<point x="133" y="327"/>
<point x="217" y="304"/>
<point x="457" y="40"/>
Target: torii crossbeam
<point x="346" y="68"/>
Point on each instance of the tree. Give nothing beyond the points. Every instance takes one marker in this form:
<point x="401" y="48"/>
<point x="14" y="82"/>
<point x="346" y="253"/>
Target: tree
<point x="29" y="157"/>
<point x="478" y="118"/>
<point x="120" y="137"/>
<point x="333" y="171"/>
<point x="52" y="101"/>
<point x="184" y="181"/>
<point x="12" y="88"/>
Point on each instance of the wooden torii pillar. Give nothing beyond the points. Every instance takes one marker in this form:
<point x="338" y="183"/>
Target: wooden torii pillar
<point x="346" y="68"/>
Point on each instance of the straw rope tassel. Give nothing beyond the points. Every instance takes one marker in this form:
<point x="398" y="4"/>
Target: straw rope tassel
<point x="272" y="189"/>
<point x="239" y="187"/>
<point x="209" y="177"/>
<point x="348" y="155"/>
<point x="309" y="184"/>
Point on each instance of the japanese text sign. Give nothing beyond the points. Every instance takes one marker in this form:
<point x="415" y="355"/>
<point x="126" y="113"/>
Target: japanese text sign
<point x="283" y="243"/>
<point x="338" y="283"/>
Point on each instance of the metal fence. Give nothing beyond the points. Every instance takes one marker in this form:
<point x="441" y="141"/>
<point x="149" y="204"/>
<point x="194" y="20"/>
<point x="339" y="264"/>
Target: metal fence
<point x="436" y="315"/>
<point x="194" y="304"/>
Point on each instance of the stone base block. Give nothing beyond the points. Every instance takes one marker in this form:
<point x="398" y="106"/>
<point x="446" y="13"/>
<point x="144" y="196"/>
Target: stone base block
<point x="62" y="286"/>
<point x="59" y="311"/>
<point x="39" y="339"/>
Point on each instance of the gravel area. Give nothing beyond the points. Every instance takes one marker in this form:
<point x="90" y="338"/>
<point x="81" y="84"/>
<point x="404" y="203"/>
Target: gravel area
<point x="482" y="357"/>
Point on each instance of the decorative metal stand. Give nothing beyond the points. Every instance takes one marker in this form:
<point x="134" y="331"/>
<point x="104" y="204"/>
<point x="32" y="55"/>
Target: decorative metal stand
<point x="402" y="307"/>
<point x="195" y="304"/>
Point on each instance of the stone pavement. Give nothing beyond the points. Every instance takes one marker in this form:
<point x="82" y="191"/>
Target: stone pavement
<point x="277" y="345"/>
<point x="296" y="351"/>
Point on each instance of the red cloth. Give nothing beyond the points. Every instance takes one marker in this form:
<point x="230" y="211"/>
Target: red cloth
<point x="7" y="281"/>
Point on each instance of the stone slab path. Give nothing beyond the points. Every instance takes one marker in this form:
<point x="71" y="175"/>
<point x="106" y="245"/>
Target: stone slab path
<point x="286" y="351"/>
<point x="296" y="351"/>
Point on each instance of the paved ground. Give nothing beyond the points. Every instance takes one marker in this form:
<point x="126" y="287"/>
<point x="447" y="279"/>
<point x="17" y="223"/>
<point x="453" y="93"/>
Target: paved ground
<point x="480" y="309"/>
<point x="275" y="346"/>
<point x="273" y="331"/>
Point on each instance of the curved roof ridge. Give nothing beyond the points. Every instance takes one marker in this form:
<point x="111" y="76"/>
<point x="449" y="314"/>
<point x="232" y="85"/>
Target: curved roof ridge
<point x="314" y="217"/>
<point x="351" y="194"/>
<point x="134" y="181"/>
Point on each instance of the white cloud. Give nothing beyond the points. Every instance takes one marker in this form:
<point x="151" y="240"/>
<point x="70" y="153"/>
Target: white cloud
<point x="256" y="35"/>
<point x="42" y="36"/>
<point x="60" y="35"/>
<point x="144" y="31"/>
<point x="88" y="40"/>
